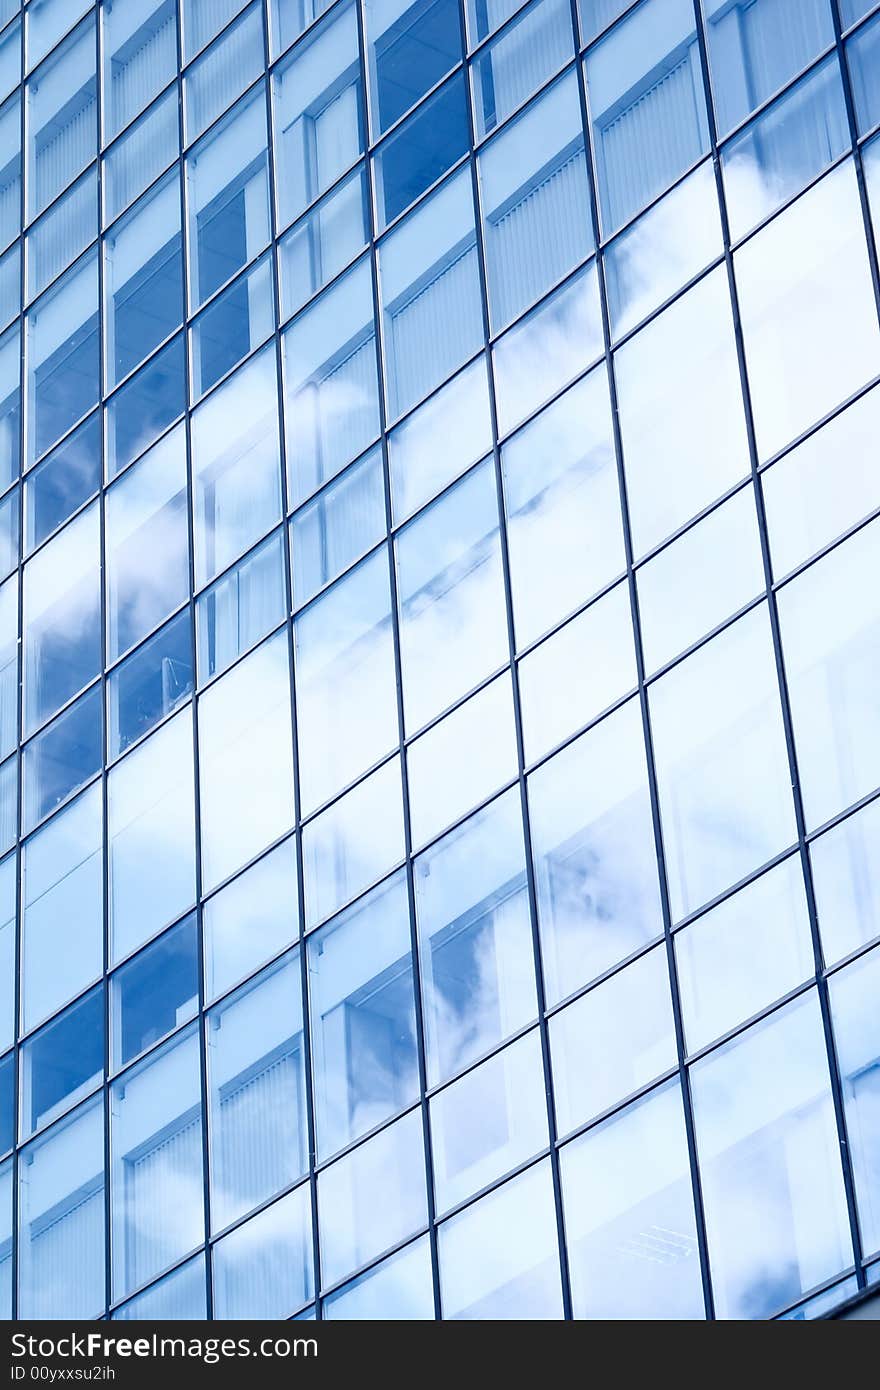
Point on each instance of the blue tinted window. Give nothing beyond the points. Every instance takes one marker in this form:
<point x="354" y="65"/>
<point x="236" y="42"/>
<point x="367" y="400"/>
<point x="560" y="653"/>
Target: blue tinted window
<point x="61" y="484"/>
<point x="421" y="152"/>
<point x="154" y="993"/>
<point x="863" y="52"/>
<point x="151" y="683"/>
<point x="63" y="1062"/>
<point x="145" y="406"/>
<point x="755" y="46"/>
<point x="411" y="46"/>
<point x="63" y="757"/>
<point x="644" y="83"/>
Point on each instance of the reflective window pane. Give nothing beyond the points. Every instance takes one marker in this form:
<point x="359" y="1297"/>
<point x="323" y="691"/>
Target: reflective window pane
<point x="830" y="620"/>
<point x="154" y="993"/>
<point x="477" y="959"/>
<point x="681" y="412"/>
<point x="62" y="1063"/>
<point x="564" y="527"/>
<point x="499" y="1259"/>
<point x="140" y="57"/>
<point x="362" y="1017"/>
<point x="846" y="879"/>
<point x="853" y="1003"/>
<point x="451" y="597"/>
<point x="63" y="883"/>
<point x="722" y="765"/>
<point x="755" y="48"/>
<point x="257" y="1091"/>
<point x="520" y="61"/>
<point x="595" y="859"/>
<point x="353" y="844"/>
<point x="246" y="759"/>
<point x="250" y="920"/>
<point x="372" y="1198"/>
<point x="489" y="1122"/>
<point x="772" y="1186"/>
<point x="629" y="1215"/>
<point x="409" y="48"/>
<point x="151" y="812"/>
<point x="645" y="85"/>
<point x="613" y="1040"/>
<point x="61" y="1204"/>
<point x="400" y="1287"/>
<point x="804" y="288"/>
<point x="157" y="1196"/>
<point x="743" y="955"/>
<point x="62" y="624"/>
<point x="345" y="682"/>
<point x="264" y="1268"/>
<point x="179" y="1297"/>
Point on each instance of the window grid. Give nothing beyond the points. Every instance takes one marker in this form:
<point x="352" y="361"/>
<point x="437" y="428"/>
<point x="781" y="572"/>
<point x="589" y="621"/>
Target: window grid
<point x="758" y="468"/>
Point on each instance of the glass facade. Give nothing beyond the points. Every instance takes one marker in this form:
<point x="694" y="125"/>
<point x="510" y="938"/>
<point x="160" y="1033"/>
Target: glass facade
<point x="439" y="825"/>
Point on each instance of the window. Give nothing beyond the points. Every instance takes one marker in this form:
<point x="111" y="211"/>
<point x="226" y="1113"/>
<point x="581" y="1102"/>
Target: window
<point x="236" y="466"/>
<point x="257" y="1090"/>
<point x="362" y="1017"/>
<point x="331" y="382"/>
<point x="755" y="48"/>
<point x="846" y="878"/>
<point x="317" y="104"/>
<point x="354" y="843"/>
<point x="418" y="154"/>
<point x="629" y="1215"/>
<point x="154" y="993"/>
<point x="830" y="621"/>
<point x="722" y="764"/>
<point x="595" y="858"/>
<point x="63" y="884"/>
<point x="143" y="271"/>
<point x="61" y="1203"/>
<point x="451" y="597"/>
<point x="152" y="821"/>
<point x="489" y="1122"/>
<point x="345" y="682"/>
<point x="372" y="1198"/>
<point x="246" y="748"/>
<point x="227" y="179"/>
<point x="804" y="286"/>
<point x="409" y="48"/>
<point x="62" y="618"/>
<point x="338" y="526"/>
<point x="62" y="117"/>
<point x="646" y="95"/>
<point x="149" y="684"/>
<point x="157" y="1196"/>
<point x="563" y="509"/>
<point x="250" y="920"/>
<point x="140" y="56"/>
<point x="477" y="958"/>
<point x="613" y="1041"/>
<point x="536" y="211"/>
<point x="743" y="955"/>
<point x="499" y="1259"/>
<point x="147" y="544"/>
<point x="681" y="412"/>
<point x="506" y="73"/>
<point x="769" y="1154"/>
<point x="400" y="1287"/>
<point x="62" y="482"/>
<point x="263" y="1269"/>
<point x="62" y="1063"/>
<point x="430" y="294"/>
<point x="62" y="335"/>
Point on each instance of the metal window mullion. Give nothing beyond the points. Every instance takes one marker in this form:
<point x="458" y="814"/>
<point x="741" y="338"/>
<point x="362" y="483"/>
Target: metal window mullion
<point x="311" y="1130"/>
<point x="398" y="677"/>
<point x="857" y="151"/>
<point x="194" y="704"/>
<point x="19" y="791"/>
<point x="653" y="785"/>
<point x="537" y="959"/>
<point x="785" y="703"/>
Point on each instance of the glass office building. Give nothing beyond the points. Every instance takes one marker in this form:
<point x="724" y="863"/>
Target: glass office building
<point x="439" y="658"/>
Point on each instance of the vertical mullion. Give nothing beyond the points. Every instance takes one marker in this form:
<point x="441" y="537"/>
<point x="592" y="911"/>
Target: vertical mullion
<point x="398" y="672"/>
<point x="543" y="1025"/>
<point x="773" y="611"/>
<point x="858" y="160"/>
<point x="286" y="553"/>
<point x="653" y="787"/>
<point x="18" y="926"/>
<point x="105" y="751"/>
<point x="190" y="514"/>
